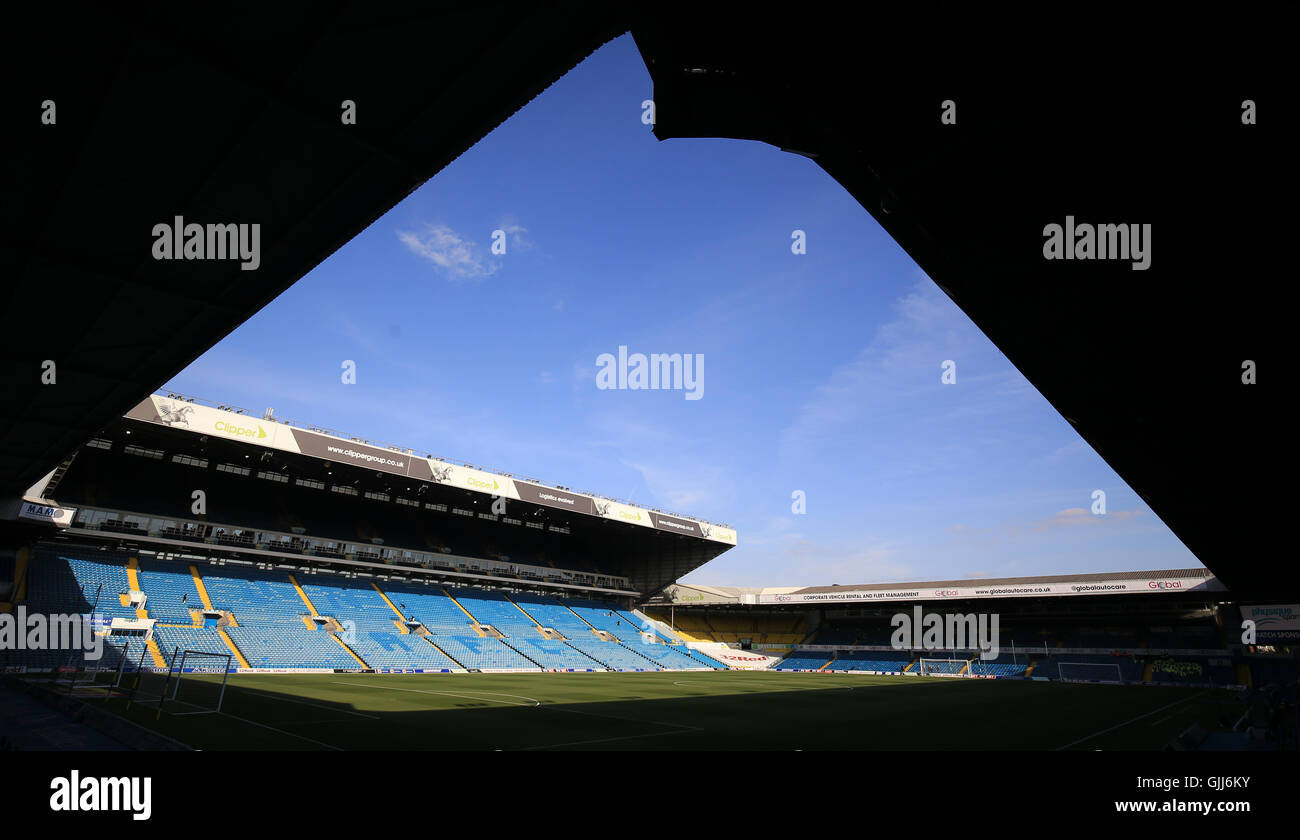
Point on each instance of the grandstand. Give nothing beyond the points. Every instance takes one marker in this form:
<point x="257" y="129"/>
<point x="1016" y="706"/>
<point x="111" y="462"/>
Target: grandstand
<point x="268" y="620"/>
<point x="312" y="566"/>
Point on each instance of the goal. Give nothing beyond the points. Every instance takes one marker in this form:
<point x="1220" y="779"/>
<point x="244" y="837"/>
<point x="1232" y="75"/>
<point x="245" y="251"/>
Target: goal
<point x="197" y="681"/>
<point x="1089" y="671"/>
<point x="942" y="667"/>
<point x="108" y="672"/>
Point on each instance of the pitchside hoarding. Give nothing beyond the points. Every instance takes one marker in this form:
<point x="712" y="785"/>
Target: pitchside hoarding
<point x="204" y="420"/>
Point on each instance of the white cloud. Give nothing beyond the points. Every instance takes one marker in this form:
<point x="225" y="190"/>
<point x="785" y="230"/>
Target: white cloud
<point x="449" y="251"/>
<point x="515" y="236"/>
<point x="1077" y="516"/>
<point x="680" y="490"/>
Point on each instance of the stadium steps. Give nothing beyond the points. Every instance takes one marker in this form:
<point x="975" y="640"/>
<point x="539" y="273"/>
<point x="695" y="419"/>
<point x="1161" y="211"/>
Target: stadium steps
<point x="133" y="580"/>
<point x="537" y="625"/>
<point x="602" y="663"/>
<point x="1030" y="670"/>
<point x="311" y="625"/>
<point x="524" y="655"/>
<point x="656" y="663"/>
<point x="303" y="596"/>
<point x="344" y="645"/>
<point x="477" y="629"/>
<point x="235" y="651"/>
<point x="201" y="589"/>
<point x="401" y="619"/>
<point x="156" y="653"/>
<point x="589" y="656"/>
<point x="430" y="640"/>
<point x="586" y="622"/>
<point x="21" y="563"/>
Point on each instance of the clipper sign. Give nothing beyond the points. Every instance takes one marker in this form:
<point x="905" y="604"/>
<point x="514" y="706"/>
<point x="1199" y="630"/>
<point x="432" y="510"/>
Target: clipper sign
<point x="204" y="420"/>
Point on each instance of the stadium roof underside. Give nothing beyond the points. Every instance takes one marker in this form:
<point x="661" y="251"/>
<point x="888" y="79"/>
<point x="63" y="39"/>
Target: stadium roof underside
<point x="1146" y="365"/>
<point x="380" y="509"/>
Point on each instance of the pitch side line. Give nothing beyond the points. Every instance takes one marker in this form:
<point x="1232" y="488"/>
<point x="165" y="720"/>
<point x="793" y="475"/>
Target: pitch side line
<point x="616" y="738"/>
<point x="255" y="723"/>
<point x="532" y="701"/>
<point x="691" y="684"/>
<point x="257" y="693"/>
<point x="1134" y="720"/>
<point x="283" y="732"/>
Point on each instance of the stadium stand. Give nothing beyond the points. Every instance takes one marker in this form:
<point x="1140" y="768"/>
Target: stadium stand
<point x="171" y="591"/>
<point x="64" y="582"/>
<point x="484" y="654"/>
<point x="804" y="660"/>
<point x="1005" y="665"/>
<point x="551" y="612"/>
<point x="494" y="609"/>
<point x="386" y="649"/>
<point x="615" y="656"/>
<point x="283" y="646"/>
<point x="725" y="626"/>
<point x="872" y="660"/>
<point x="1077" y="666"/>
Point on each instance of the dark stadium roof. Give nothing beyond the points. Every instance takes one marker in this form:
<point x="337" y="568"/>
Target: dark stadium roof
<point x="109" y="479"/>
<point x="161" y="116"/>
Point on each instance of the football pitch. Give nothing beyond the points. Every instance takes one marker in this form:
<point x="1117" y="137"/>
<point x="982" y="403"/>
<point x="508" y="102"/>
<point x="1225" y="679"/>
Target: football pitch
<point x="673" y="710"/>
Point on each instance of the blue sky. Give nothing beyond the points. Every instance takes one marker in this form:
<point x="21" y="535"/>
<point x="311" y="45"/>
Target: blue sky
<point x="821" y="373"/>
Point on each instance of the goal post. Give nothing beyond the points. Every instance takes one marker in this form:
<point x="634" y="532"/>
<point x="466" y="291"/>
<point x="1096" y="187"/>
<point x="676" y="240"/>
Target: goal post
<point x="108" y="675"/>
<point x="942" y="667"/>
<point x="1089" y="671"/>
<point x="200" y="678"/>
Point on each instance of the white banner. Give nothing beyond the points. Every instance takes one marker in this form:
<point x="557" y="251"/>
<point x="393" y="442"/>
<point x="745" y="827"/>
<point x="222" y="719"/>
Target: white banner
<point x="744" y="660"/>
<point x="60" y="516"/>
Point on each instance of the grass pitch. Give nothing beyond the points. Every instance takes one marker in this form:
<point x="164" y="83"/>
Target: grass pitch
<point x="672" y="711"/>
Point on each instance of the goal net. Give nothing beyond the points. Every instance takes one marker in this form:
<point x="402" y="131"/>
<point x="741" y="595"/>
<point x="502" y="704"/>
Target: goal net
<point x="197" y="682"/>
<point x="942" y="667"/>
<point x="1089" y="671"/>
<point x="108" y="672"/>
